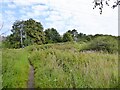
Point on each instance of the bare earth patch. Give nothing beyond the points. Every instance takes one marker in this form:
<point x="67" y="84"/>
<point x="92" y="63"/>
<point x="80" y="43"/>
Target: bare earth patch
<point x="31" y="77"/>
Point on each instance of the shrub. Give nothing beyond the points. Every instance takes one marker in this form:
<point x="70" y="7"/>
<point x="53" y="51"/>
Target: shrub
<point x="103" y="43"/>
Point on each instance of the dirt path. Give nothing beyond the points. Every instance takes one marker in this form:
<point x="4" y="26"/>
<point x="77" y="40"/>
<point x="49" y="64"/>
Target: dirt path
<point x="31" y="77"/>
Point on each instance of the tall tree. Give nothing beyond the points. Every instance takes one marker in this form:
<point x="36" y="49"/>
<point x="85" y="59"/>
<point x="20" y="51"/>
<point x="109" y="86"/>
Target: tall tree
<point x="52" y="36"/>
<point x="26" y="33"/>
<point x="17" y="34"/>
<point x="34" y="32"/>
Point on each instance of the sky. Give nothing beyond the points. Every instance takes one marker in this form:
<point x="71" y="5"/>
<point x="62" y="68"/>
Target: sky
<point x="62" y="15"/>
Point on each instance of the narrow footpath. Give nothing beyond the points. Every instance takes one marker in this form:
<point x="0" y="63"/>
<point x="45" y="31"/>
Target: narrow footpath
<point x="31" y="77"/>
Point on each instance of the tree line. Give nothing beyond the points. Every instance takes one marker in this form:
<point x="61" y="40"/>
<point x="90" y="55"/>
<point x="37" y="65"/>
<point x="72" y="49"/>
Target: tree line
<point x="29" y="32"/>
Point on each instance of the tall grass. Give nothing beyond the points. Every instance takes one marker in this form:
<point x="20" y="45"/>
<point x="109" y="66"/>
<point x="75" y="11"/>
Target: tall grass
<point x="0" y="65"/>
<point x="15" y="68"/>
<point x="63" y="66"/>
<point x="60" y="66"/>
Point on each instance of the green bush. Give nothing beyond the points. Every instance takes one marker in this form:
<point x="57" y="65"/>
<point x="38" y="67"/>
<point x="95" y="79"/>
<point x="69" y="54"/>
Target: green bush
<point x="103" y="43"/>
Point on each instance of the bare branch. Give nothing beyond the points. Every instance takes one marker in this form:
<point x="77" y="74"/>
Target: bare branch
<point x="99" y="3"/>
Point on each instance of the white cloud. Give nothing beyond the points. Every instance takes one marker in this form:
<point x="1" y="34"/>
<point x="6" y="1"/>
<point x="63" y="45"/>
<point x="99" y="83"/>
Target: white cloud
<point x="9" y="12"/>
<point x="0" y="16"/>
<point x="84" y="18"/>
<point x="39" y="7"/>
<point x="8" y="19"/>
<point x="12" y="6"/>
<point x="69" y="14"/>
<point x="33" y="11"/>
<point x="26" y="2"/>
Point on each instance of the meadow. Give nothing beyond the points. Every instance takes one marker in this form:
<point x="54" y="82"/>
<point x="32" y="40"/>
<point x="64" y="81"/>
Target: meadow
<point x="15" y="68"/>
<point x="0" y="66"/>
<point x="61" y="65"/>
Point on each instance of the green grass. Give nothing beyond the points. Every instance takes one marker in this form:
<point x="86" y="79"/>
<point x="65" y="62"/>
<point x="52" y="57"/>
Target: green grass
<point x="15" y="68"/>
<point x="63" y="66"/>
<point x="0" y="67"/>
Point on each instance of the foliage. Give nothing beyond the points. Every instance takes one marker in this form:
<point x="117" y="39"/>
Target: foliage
<point x="11" y="42"/>
<point x="108" y="43"/>
<point x="34" y="32"/>
<point x="25" y="33"/>
<point x="52" y="36"/>
<point x="74" y="34"/>
<point x="67" y="37"/>
<point x="30" y="32"/>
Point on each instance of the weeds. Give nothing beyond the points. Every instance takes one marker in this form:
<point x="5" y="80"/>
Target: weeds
<point x="66" y="68"/>
<point x="60" y="66"/>
<point x="15" y="68"/>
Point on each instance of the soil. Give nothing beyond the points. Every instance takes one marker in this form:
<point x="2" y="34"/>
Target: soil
<point x="31" y="77"/>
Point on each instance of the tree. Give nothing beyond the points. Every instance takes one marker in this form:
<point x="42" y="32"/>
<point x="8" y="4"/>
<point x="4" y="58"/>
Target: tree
<point x="26" y="33"/>
<point x="11" y="42"/>
<point x="15" y="37"/>
<point x="52" y="36"/>
<point x="34" y="32"/>
<point x="74" y="34"/>
<point x="101" y="3"/>
<point x="82" y="37"/>
<point x="67" y="37"/>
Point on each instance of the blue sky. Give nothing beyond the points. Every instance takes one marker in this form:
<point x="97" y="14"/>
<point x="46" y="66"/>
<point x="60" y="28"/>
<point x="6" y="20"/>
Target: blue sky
<point x="60" y="14"/>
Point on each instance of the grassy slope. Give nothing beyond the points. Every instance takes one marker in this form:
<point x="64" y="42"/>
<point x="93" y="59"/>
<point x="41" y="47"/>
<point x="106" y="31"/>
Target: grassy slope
<point x="60" y="65"/>
<point x="0" y="66"/>
<point x="64" y="66"/>
<point x="15" y="68"/>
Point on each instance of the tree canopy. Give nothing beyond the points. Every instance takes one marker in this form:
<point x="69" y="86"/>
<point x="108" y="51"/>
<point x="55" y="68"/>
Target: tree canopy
<point x="25" y="33"/>
<point x="74" y="34"/>
<point x="67" y="37"/>
<point x="29" y="32"/>
<point x="52" y="36"/>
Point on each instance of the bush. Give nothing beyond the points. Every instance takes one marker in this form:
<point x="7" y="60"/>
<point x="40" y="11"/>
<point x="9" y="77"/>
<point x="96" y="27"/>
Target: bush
<point x="67" y="37"/>
<point x="103" y="43"/>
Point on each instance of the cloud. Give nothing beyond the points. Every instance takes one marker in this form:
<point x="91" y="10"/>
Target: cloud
<point x="9" y="12"/>
<point x="64" y="15"/>
<point x="26" y="2"/>
<point x="8" y="18"/>
<point x="39" y="7"/>
<point x="34" y="12"/>
<point x="84" y="18"/>
<point x="11" y="6"/>
<point x="0" y="16"/>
